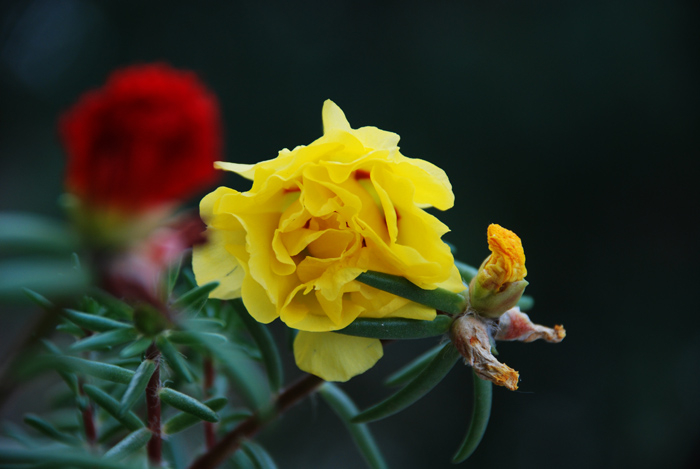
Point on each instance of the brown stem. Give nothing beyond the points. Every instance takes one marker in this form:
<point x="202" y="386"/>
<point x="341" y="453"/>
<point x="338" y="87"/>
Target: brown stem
<point x="253" y="424"/>
<point x="153" y="409"/>
<point x="209" y="433"/>
<point x="88" y="420"/>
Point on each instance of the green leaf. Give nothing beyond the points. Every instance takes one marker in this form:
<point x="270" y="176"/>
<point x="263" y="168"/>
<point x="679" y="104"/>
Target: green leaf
<point x="241" y="460"/>
<point x="112" y="406"/>
<point x="109" y="429"/>
<point x="40" y="300"/>
<point x="172" y="275"/>
<point x="130" y="444"/>
<point x="56" y="458"/>
<point x="26" y="232"/>
<point x="203" y="324"/>
<point x="92" y="322"/>
<point x="266" y="343"/>
<point x="480" y="419"/>
<point x="137" y="385"/>
<point x="466" y="271"/>
<point x="49" y="430"/>
<point x="136" y="348"/>
<point x="257" y="454"/>
<point x="440" y="299"/>
<point x="187" y="404"/>
<point x="175" y="360"/>
<point x="195" y="338"/>
<point x="72" y="329"/>
<point x="426" y="380"/>
<point x="346" y="409"/>
<point x="410" y="371"/>
<point x="233" y="417"/>
<point x="526" y="303"/>
<point x="398" y="328"/>
<point x="70" y="379"/>
<point x="116" y="308"/>
<point x="104" y="371"/>
<point x="194" y="298"/>
<point x="53" y="278"/>
<point x="185" y="420"/>
<point x="246" y="378"/>
<point x="104" y="340"/>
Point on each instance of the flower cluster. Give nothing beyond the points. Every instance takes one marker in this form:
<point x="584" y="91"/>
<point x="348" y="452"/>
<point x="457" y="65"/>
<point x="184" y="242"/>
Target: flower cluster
<point x="316" y="218"/>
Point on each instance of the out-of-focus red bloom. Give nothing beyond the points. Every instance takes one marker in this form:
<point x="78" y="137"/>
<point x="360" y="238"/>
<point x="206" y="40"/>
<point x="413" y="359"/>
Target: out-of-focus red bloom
<point x="145" y="140"/>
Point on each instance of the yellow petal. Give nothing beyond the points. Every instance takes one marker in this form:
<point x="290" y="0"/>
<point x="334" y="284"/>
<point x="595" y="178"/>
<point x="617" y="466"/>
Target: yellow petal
<point x="335" y="357"/>
<point x="212" y="262"/>
<point x="333" y="117"/>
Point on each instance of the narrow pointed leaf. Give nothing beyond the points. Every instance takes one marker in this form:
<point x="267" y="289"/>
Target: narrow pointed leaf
<point x="185" y="420"/>
<point x="104" y="371"/>
<point x="410" y="371"/>
<point x="22" y="231"/>
<point x="195" y="338"/>
<point x="346" y="409"/>
<point x="421" y="385"/>
<point x="109" y="430"/>
<point x="137" y="385"/>
<point x="526" y="303"/>
<point x="175" y="360"/>
<point x="203" y="324"/>
<point x="40" y="300"/>
<point x="70" y="379"/>
<point x="72" y="329"/>
<point x="466" y="271"/>
<point x="480" y="419"/>
<point x="54" y="278"/>
<point x="194" y="297"/>
<point x="440" y="299"/>
<point x="135" y="348"/>
<point x="18" y="434"/>
<point x="265" y="342"/>
<point x="257" y="454"/>
<point x="49" y="430"/>
<point x="133" y="442"/>
<point x="241" y="460"/>
<point x="57" y="458"/>
<point x="173" y="275"/>
<point x="187" y="404"/>
<point x="93" y="322"/>
<point x="116" y="308"/>
<point x="246" y="378"/>
<point x="398" y="328"/>
<point x="111" y="405"/>
<point x="104" y="340"/>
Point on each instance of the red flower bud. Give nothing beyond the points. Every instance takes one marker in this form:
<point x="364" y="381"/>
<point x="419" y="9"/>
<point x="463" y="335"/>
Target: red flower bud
<point x="147" y="139"/>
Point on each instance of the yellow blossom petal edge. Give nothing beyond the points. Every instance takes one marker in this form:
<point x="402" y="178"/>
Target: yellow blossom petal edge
<point x="335" y="357"/>
<point x="506" y="264"/>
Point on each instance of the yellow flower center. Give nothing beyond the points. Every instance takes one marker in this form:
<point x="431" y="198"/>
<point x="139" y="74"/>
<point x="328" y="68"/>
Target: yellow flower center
<point x="506" y="263"/>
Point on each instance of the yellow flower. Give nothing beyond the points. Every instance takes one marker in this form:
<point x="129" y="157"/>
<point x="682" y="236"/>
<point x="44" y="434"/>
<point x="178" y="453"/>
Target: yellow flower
<point x="499" y="283"/>
<point x="317" y="217"/>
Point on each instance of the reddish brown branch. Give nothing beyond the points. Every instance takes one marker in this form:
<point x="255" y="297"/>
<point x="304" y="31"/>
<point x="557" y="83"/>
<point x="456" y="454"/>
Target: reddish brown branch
<point x="253" y="424"/>
<point x="155" y="444"/>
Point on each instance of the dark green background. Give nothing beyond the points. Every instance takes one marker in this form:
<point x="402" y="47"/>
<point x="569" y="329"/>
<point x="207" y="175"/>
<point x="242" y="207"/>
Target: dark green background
<point x="572" y="123"/>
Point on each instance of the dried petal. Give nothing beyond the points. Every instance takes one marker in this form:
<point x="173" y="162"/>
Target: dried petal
<point x="515" y="325"/>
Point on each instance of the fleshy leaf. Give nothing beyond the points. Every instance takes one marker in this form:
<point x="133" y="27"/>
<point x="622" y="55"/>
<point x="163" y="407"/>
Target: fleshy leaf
<point x="398" y="328"/>
<point x="480" y="419"/>
<point x="346" y="409"/>
<point x="440" y="299"/>
<point x="137" y="385"/>
<point x="410" y="371"/>
<point x="421" y="385"/>
<point x="185" y="420"/>
<point x="130" y="444"/>
<point x="104" y="340"/>
<point x="93" y="322"/>
<point x="175" y="360"/>
<point x="187" y="404"/>
<point x="112" y="406"/>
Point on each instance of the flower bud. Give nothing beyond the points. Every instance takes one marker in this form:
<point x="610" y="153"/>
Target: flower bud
<point x="499" y="283"/>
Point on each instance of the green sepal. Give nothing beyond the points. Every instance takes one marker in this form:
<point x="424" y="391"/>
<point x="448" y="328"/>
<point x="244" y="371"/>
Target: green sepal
<point x="258" y="455"/>
<point x="187" y="404"/>
<point x="184" y="420"/>
<point x="410" y="371"/>
<point x="398" y="328"/>
<point x="343" y="406"/>
<point x="480" y="419"/>
<point x="112" y="406"/>
<point x="440" y="299"/>
<point x="92" y="322"/>
<point x="467" y="271"/>
<point x="175" y="360"/>
<point x="426" y="380"/>
<point x="49" y="430"/>
<point x="195" y="298"/>
<point x="136" y="348"/>
<point x="137" y="385"/>
<point x="100" y="370"/>
<point x="104" y="340"/>
<point x="133" y="442"/>
<point x="266" y="343"/>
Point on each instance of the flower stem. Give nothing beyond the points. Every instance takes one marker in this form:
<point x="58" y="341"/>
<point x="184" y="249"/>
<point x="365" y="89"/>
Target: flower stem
<point x="253" y="424"/>
<point x="153" y="408"/>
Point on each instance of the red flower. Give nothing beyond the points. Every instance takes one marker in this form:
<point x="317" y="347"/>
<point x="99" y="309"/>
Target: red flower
<point x="149" y="137"/>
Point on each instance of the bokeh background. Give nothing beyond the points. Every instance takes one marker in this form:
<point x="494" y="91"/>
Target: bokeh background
<point x="575" y="124"/>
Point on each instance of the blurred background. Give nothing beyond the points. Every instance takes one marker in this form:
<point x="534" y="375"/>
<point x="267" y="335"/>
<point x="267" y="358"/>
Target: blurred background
<point x="572" y="123"/>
